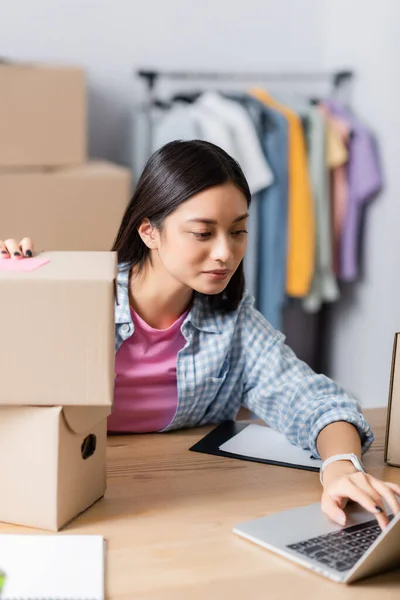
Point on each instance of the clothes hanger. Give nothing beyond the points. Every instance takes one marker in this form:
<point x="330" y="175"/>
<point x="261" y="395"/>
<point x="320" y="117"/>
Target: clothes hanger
<point x="187" y="97"/>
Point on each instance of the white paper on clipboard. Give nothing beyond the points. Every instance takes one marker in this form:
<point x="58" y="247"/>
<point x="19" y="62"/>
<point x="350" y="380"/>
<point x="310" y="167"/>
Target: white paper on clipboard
<point x="257" y="441"/>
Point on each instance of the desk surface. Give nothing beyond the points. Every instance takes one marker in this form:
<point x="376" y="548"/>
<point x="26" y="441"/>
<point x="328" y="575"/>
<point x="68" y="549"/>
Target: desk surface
<point x="168" y="515"/>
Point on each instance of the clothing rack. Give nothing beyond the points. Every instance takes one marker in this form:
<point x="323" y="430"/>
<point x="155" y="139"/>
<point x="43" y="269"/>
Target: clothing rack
<point x="153" y="76"/>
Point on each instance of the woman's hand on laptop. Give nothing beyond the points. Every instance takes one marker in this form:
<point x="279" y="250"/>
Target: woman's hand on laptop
<point x="12" y="249"/>
<point x="342" y="483"/>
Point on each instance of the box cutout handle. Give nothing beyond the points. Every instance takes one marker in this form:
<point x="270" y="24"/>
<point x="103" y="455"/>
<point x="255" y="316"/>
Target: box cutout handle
<point x="88" y="446"/>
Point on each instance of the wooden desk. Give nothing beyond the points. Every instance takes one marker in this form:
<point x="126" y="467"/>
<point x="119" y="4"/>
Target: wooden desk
<point x="168" y="516"/>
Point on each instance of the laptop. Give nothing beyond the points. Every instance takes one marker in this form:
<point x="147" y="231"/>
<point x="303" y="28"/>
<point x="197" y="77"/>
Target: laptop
<point x="308" y="537"/>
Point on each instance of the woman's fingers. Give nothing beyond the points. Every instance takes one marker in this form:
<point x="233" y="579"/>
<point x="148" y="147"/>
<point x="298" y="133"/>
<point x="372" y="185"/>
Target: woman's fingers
<point x="367" y="491"/>
<point x="387" y="494"/>
<point x="3" y="250"/>
<point x="26" y="247"/>
<point x="346" y="487"/>
<point x="354" y="492"/>
<point x="394" y="487"/>
<point x="332" y="507"/>
<point x="367" y="484"/>
<point x="13" y="249"/>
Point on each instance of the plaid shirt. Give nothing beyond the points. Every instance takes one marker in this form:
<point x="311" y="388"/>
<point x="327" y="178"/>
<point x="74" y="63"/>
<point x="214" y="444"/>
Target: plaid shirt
<point x="238" y="359"/>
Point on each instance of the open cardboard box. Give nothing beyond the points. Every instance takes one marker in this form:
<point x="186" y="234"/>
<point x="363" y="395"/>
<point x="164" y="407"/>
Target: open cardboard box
<point x="52" y="463"/>
<point x="392" y="438"/>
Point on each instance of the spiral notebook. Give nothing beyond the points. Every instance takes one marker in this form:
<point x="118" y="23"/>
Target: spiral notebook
<point x="52" y="567"/>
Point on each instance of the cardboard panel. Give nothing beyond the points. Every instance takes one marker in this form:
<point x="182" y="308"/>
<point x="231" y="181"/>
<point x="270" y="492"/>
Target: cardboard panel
<point x="392" y="438"/>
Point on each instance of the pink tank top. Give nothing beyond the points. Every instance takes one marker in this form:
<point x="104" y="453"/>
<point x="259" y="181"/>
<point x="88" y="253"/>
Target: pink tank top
<point x="146" y="393"/>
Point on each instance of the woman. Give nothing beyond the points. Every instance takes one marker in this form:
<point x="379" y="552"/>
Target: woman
<point x="190" y="346"/>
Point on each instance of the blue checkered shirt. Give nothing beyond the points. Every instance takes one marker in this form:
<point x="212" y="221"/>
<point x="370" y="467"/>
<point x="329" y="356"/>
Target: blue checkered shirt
<point x="238" y="358"/>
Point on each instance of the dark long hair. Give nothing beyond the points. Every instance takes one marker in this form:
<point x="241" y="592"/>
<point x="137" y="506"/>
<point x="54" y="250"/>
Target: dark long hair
<point x="173" y="174"/>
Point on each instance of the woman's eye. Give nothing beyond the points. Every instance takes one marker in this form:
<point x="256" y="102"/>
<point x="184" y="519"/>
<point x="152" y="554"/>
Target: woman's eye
<point x="202" y="235"/>
<point x="239" y="233"/>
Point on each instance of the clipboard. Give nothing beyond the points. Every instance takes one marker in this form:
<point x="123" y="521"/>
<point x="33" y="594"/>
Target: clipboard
<point x="210" y="444"/>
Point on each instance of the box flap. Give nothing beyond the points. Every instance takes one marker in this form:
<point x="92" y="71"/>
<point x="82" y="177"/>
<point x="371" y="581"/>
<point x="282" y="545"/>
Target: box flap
<point x="69" y="266"/>
<point x="80" y="419"/>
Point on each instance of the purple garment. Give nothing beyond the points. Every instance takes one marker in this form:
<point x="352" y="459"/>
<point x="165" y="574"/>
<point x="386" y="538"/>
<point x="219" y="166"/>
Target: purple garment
<point x="364" y="182"/>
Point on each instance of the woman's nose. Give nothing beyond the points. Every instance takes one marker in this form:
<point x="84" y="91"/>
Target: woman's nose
<point x="222" y="250"/>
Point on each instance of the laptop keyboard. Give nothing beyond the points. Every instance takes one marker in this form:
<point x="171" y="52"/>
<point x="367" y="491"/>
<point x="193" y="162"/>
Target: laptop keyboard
<point x="342" y="549"/>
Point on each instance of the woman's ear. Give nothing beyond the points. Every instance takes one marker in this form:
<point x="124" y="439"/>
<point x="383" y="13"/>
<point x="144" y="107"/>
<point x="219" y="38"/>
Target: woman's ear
<point x="148" y="233"/>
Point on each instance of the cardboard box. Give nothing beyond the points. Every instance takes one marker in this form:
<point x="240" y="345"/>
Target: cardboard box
<point x="42" y="115"/>
<point x="57" y="331"/>
<point x="67" y="209"/>
<point x="392" y="438"/>
<point x="52" y="464"/>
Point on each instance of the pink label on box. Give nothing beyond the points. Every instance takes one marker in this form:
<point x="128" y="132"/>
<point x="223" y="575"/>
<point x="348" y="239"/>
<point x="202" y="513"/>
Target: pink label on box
<point x="22" y="264"/>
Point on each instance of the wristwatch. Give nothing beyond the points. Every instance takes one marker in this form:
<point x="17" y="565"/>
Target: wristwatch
<point x="352" y="457"/>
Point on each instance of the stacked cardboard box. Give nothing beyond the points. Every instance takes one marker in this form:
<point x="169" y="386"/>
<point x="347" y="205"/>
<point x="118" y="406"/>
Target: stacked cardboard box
<point x="56" y="322"/>
<point x="75" y="208"/>
<point x="48" y="189"/>
<point x="57" y="379"/>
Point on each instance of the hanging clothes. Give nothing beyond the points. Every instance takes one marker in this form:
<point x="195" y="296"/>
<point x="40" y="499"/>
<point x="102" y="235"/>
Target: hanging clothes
<point x="324" y="287"/>
<point x="249" y="154"/>
<point x="272" y="210"/>
<point x="215" y="130"/>
<point x="222" y="122"/>
<point x="300" y="316"/>
<point x="186" y="122"/>
<point x="338" y="134"/>
<point x="177" y="123"/>
<point x="364" y="182"/>
<point x="311" y="169"/>
<point x="301" y="222"/>
<point x="225" y="123"/>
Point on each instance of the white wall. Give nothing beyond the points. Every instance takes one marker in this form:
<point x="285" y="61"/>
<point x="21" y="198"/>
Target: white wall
<point x="365" y="35"/>
<point x="112" y="37"/>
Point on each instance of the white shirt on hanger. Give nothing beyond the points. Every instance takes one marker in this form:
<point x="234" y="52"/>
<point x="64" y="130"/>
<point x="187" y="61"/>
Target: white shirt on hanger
<point x="246" y="148"/>
<point x="213" y="129"/>
<point x="178" y="123"/>
<point x="193" y="121"/>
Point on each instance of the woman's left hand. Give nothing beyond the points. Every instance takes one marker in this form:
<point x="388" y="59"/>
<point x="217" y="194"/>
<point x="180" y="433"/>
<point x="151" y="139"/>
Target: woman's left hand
<point x="343" y="483"/>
